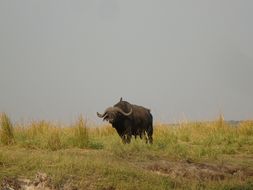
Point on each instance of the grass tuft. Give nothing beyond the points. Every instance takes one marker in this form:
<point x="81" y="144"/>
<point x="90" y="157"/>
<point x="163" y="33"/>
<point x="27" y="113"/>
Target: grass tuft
<point x="81" y="137"/>
<point x="54" y="141"/>
<point x="6" y="131"/>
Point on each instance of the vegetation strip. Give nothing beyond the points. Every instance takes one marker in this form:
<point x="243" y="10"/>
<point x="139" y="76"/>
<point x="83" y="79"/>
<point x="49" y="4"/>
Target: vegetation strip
<point x="189" y="155"/>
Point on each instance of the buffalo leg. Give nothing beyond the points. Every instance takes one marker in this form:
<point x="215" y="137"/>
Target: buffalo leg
<point x="128" y="138"/>
<point x="150" y="133"/>
<point x="143" y="134"/>
<point x="124" y="140"/>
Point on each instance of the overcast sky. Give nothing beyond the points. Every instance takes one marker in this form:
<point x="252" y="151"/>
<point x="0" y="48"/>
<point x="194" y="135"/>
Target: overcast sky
<point x="185" y="60"/>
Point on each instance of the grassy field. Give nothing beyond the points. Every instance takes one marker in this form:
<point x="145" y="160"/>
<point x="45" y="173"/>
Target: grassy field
<point x="193" y="155"/>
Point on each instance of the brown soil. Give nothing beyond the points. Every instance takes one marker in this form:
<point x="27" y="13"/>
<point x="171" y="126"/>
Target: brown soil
<point x="40" y="182"/>
<point x="198" y="171"/>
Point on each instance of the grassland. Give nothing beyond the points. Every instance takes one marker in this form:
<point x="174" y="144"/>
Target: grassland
<point x="190" y="155"/>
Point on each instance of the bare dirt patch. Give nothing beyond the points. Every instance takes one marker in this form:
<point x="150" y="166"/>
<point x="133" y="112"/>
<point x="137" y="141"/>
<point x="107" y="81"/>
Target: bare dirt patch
<point x="41" y="182"/>
<point x="198" y="171"/>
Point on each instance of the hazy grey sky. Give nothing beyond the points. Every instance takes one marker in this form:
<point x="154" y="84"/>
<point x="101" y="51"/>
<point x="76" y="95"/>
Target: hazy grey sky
<point x="183" y="59"/>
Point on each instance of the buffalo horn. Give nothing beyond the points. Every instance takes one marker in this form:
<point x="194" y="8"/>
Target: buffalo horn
<point x="101" y="115"/>
<point x="105" y="113"/>
<point x="124" y="113"/>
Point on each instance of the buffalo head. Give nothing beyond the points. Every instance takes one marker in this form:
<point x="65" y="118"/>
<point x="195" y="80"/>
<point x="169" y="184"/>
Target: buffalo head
<point x="111" y="114"/>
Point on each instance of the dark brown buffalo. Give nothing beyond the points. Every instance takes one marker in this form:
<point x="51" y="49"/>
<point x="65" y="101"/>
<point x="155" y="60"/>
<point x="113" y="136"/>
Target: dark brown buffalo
<point x="129" y="119"/>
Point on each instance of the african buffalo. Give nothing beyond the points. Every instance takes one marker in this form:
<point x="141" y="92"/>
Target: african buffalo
<point x="129" y="119"/>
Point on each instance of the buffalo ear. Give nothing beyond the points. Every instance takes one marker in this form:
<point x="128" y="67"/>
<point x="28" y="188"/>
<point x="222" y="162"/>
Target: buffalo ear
<point x="120" y="99"/>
